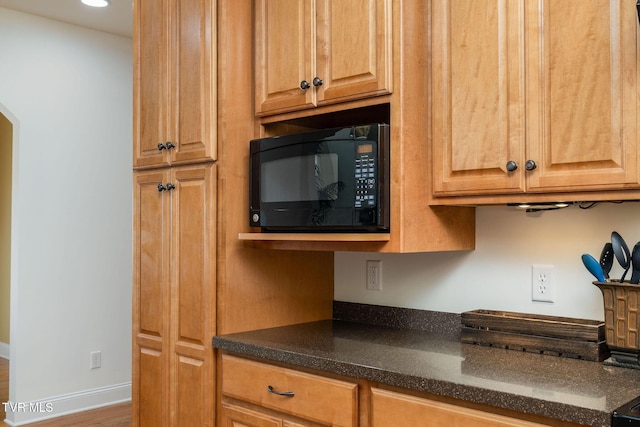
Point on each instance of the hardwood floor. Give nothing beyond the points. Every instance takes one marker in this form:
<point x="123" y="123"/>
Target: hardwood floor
<point x="109" y="416"/>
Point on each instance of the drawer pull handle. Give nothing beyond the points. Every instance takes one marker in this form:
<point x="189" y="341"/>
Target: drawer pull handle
<point x="280" y="393"/>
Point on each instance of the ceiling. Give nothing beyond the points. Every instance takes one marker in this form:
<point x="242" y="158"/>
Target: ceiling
<point x="115" y="19"/>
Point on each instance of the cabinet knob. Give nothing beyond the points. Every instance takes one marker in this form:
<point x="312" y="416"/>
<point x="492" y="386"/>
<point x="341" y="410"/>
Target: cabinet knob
<point x="638" y="9"/>
<point x="280" y="393"/>
<point x="304" y="85"/>
<point x="530" y="165"/>
<point x="168" y="146"/>
<point x="168" y="187"/>
<point x="317" y="81"/>
<point x="511" y="166"/>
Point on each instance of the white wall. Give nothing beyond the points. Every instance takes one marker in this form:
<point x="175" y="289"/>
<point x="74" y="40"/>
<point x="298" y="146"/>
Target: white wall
<point x="497" y="275"/>
<point x="68" y="90"/>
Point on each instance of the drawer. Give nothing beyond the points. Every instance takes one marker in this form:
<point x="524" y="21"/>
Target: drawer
<point x="390" y="408"/>
<point x="315" y="398"/>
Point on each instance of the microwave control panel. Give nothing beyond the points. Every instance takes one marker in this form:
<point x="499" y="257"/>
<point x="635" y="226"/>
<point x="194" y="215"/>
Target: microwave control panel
<point x="365" y="176"/>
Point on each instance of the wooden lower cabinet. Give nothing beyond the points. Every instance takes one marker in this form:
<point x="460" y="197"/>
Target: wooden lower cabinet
<point x="259" y="394"/>
<point x="174" y="296"/>
<point x="390" y="408"/>
<point x="248" y="399"/>
<point x="238" y="416"/>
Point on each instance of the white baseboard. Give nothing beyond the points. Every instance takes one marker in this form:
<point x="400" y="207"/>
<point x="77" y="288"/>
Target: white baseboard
<point x="4" y="350"/>
<point x="21" y="413"/>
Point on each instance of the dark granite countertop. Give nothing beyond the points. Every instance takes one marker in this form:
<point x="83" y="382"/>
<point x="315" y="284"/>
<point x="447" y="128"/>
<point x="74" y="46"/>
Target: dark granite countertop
<point x="573" y="390"/>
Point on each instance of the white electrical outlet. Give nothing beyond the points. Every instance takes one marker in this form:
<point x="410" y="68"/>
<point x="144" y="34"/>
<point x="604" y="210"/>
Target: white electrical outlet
<point x="543" y="283"/>
<point x="374" y="275"/>
<point x="96" y="359"/>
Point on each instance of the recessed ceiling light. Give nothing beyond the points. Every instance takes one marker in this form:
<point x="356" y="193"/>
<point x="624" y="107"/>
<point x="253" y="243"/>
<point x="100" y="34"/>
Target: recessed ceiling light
<point x="96" y="3"/>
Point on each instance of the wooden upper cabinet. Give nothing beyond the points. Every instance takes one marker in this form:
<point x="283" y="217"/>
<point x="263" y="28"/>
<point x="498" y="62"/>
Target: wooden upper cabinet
<point x="478" y="99"/>
<point x="315" y="52"/>
<point x="582" y="94"/>
<point x="151" y="91"/>
<point x="284" y="59"/>
<point x="175" y="107"/>
<point x="548" y="89"/>
<point x="353" y="44"/>
<point x="194" y="83"/>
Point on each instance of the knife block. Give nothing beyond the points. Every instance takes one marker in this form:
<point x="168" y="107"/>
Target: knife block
<point x="622" y="322"/>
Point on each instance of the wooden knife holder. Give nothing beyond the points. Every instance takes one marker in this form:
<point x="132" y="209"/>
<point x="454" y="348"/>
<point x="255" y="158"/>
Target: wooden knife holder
<point x="551" y="335"/>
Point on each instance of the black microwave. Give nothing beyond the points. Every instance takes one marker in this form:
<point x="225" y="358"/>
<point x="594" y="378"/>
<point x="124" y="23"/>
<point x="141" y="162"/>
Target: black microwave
<point x="329" y="180"/>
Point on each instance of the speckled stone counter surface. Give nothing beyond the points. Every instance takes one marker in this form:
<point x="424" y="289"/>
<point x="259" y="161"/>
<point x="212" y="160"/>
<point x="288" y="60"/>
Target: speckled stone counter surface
<point x="433" y="360"/>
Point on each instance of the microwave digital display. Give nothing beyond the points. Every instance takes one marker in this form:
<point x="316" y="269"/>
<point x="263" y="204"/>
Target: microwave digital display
<point x="365" y="148"/>
<point x="326" y="180"/>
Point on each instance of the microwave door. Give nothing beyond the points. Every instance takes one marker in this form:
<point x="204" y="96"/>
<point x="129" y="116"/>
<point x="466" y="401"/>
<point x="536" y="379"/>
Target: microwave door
<point x="308" y="186"/>
<point x="309" y="177"/>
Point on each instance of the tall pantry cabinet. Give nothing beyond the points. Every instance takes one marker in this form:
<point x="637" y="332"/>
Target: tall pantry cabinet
<point x="193" y="277"/>
<point x="175" y="188"/>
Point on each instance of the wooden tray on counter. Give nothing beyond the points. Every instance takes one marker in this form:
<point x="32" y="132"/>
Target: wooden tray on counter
<point x="557" y="336"/>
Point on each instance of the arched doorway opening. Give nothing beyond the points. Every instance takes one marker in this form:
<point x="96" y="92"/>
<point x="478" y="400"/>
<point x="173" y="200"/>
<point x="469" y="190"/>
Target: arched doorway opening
<point x="6" y="156"/>
<point x="8" y="252"/>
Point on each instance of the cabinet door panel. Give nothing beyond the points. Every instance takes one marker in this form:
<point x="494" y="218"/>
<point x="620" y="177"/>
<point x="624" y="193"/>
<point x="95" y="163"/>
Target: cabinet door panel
<point x="151" y="300"/>
<point x="150" y="40"/>
<point x="191" y="248"/>
<point x="193" y="61"/>
<point x="151" y="268"/>
<point x="191" y="394"/>
<point x="193" y="244"/>
<point x="582" y="68"/>
<point x="237" y="416"/>
<point x="354" y="48"/>
<point x="193" y="292"/>
<point x="153" y="374"/>
<point x="285" y="55"/>
<point x="478" y="99"/>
